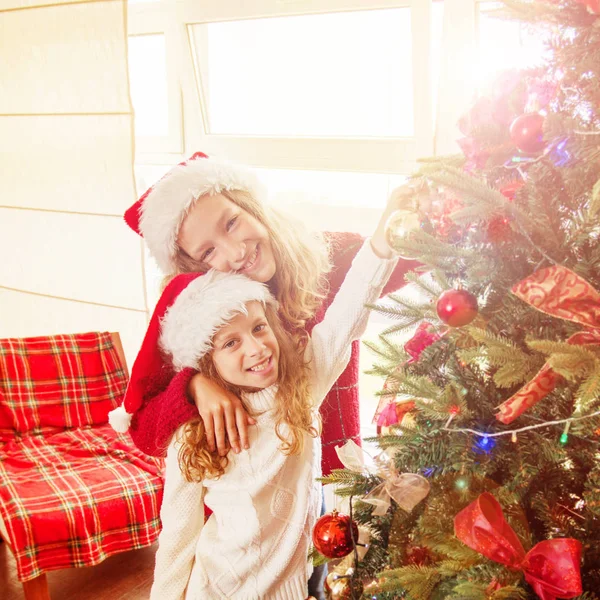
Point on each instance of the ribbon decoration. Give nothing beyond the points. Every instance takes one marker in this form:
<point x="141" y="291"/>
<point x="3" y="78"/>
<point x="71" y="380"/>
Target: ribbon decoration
<point x="558" y="292"/>
<point x="406" y="489"/>
<point x="551" y="567"/>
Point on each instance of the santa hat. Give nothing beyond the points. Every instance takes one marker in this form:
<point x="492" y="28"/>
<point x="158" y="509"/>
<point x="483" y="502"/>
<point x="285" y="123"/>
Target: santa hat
<point x="157" y="216"/>
<point x="193" y="307"/>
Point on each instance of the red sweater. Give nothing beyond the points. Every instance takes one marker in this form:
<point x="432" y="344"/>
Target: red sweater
<point x="167" y="405"/>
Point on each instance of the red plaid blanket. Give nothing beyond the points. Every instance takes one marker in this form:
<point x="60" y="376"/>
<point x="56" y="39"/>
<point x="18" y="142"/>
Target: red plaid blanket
<point x="57" y="382"/>
<point x="74" y="498"/>
<point x="72" y="491"/>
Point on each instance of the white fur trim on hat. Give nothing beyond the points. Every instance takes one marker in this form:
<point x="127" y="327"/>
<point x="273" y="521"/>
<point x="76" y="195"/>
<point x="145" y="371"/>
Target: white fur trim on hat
<point x="201" y="309"/>
<point x="170" y="199"/>
<point x="119" y="419"/>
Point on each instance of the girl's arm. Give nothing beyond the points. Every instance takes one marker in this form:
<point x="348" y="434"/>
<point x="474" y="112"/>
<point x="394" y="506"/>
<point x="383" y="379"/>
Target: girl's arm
<point x="346" y="318"/>
<point x="187" y="394"/>
<point x="165" y="409"/>
<point x="182" y="517"/>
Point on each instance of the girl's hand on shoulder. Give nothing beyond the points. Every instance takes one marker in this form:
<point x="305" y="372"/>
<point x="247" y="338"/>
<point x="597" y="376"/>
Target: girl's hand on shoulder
<point x="402" y="197"/>
<point x="222" y="413"/>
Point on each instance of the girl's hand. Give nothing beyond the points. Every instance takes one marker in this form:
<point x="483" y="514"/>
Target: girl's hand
<point x="402" y="197"/>
<point x="221" y="411"/>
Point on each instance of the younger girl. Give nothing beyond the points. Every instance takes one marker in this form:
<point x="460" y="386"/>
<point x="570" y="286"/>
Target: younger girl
<point x="264" y="500"/>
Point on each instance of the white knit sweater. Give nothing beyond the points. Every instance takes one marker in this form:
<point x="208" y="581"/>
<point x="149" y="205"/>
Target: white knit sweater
<point x="255" y="544"/>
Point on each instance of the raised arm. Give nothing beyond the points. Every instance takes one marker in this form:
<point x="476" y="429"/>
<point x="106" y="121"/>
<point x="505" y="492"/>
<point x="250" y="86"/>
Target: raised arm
<point x="182" y="517"/>
<point x="347" y="317"/>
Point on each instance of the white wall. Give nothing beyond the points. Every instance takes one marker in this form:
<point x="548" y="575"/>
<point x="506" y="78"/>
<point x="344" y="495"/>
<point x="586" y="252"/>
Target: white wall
<point x="69" y="263"/>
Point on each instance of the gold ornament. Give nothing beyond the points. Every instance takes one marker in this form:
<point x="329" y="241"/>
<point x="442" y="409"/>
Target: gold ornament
<point x="399" y="229"/>
<point x="343" y="587"/>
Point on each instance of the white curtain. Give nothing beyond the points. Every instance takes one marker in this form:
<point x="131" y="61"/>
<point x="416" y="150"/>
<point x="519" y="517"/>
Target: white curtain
<point x="69" y="263"/>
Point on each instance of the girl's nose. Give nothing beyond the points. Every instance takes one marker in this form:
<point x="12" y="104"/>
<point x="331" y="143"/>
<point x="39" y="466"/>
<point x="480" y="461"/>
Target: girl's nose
<point x="254" y="347"/>
<point x="236" y="253"/>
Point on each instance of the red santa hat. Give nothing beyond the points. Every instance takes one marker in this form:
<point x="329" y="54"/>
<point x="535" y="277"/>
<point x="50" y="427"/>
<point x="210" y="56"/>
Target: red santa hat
<point x="192" y="308"/>
<point x="157" y="216"/>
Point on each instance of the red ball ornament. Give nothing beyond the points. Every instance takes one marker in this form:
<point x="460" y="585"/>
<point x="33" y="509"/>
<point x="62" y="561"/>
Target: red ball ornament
<point x="527" y="132"/>
<point x="332" y="535"/>
<point x="419" y="555"/>
<point x="457" y="307"/>
<point x="498" y="230"/>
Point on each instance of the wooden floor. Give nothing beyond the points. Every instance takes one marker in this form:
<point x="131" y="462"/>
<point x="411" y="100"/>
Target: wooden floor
<point x="126" y="576"/>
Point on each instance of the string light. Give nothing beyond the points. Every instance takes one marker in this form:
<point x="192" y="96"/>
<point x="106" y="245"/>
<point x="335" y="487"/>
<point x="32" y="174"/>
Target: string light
<point x="564" y="438"/>
<point x="528" y="428"/>
<point x="484" y="444"/>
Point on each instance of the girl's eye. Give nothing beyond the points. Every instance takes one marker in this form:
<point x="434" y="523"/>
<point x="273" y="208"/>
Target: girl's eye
<point x="231" y="222"/>
<point x="229" y="344"/>
<point x="260" y="327"/>
<point x="206" y="254"/>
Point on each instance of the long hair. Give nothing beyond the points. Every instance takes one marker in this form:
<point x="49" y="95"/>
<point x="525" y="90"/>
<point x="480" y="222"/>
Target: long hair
<point x="294" y="415"/>
<point x="301" y="258"/>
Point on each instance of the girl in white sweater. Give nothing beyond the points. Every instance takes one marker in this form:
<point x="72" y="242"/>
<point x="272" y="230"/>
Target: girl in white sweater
<point x="264" y="500"/>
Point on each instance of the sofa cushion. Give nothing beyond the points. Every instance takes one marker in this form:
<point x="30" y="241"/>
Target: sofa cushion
<point x="76" y="497"/>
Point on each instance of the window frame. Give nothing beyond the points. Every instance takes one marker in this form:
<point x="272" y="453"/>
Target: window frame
<point x="393" y="155"/>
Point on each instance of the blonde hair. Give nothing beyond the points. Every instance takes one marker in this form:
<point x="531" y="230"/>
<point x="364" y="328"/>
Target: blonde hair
<point x="301" y="258"/>
<point x="293" y="408"/>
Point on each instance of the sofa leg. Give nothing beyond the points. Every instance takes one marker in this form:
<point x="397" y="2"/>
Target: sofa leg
<point x="37" y="589"/>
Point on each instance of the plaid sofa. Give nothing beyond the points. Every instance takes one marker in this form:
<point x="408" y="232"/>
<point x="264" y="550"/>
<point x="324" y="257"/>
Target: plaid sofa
<point x="72" y="491"/>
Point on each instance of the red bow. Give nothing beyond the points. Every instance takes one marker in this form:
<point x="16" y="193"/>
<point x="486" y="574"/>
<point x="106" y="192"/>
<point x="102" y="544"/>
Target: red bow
<point x="550" y="567"/>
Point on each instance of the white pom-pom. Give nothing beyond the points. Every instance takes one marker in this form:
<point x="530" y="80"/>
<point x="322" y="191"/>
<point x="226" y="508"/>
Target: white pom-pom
<point x="119" y="419"/>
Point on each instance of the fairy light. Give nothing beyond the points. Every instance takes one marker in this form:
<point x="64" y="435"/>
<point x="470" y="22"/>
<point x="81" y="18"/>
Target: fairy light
<point x="512" y="432"/>
<point x="513" y="437"/>
<point x="564" y="438"/>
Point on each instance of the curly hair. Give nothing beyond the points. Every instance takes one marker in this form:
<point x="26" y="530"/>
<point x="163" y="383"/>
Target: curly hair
<point x="293" y="407"/>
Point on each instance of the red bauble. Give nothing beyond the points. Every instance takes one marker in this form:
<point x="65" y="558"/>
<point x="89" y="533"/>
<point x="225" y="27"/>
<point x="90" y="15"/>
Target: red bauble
<point x="509" y="190"/>
<point x="419" y="555"/>
<point x="527" y="132"/>
<point x="332" y="537"/>
<point x="457" y="307"/>
<point x="498" y="230"/>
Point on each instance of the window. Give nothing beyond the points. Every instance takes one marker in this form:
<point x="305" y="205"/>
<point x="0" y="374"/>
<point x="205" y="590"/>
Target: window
<point x="342" y="74"/>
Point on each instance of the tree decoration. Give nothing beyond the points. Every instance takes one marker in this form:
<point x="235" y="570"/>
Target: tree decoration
<point x="406" y="489"/>
<point x="527" y="131"/>
<point x="419" y="555"/>
<point x="551" y="567"/>
<point x="424" y="336"/>
<point x="457" y="308"/>
<point x="333" y="534"/>
<point x="509" y="190"/>
<point x="561" y="293"/>
<point x="400" y="229"/>
<point x="343" y="587"/>
<point x="498" y="229"/>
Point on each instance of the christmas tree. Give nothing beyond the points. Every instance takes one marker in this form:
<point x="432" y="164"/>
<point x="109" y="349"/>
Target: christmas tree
<point x="487" y="481"/>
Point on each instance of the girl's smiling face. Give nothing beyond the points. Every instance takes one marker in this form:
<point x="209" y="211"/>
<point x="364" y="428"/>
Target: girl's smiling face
<point x="219" y="234"/>
<point x="245" y="351"/>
